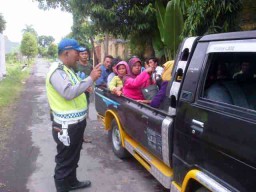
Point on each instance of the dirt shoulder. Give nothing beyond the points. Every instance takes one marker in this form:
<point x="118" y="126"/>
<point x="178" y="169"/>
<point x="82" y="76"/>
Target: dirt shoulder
<point x="6" y="123"/>
<point x="17" y="153"/>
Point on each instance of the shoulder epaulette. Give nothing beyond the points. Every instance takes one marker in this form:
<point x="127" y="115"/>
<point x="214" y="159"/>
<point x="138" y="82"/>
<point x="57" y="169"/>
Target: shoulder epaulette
<point x="60" y="66"/>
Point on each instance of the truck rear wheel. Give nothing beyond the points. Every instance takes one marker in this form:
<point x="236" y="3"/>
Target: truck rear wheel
<point x="116" y="141"/>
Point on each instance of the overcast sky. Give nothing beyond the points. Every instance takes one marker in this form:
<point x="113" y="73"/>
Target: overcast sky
<point x="19" y="13"/>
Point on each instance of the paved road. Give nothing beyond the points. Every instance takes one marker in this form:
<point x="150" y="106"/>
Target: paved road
<point x="29" y="163"/>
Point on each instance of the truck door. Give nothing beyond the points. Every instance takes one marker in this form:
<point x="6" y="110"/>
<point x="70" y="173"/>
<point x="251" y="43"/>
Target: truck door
<point x="216" y="131"/>
<point x="143" y="124"/>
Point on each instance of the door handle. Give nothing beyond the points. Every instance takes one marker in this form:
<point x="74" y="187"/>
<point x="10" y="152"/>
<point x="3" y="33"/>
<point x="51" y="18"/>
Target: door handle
<point x="197" y="126"/>
<point x="199" y="123"/>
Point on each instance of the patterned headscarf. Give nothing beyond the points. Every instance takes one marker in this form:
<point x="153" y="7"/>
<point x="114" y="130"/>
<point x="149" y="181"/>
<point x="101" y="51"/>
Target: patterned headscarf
<point x="131" y="62"/>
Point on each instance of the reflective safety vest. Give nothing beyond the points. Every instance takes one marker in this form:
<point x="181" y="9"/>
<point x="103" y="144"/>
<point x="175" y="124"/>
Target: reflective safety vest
<point x="67" y="111"/>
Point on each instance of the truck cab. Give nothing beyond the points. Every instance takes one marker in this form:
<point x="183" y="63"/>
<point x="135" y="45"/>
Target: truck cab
<point x="203" y="137"/>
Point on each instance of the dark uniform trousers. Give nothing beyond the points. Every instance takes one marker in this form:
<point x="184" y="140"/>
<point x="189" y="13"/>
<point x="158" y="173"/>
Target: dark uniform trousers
<point x="68" y="156"/>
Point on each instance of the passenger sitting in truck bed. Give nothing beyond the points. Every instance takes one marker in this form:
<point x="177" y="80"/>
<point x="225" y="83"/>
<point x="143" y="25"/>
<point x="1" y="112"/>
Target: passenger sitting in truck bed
<point x="246" y="72"/>
<point x="158" y="99"/>
<point x="116" y="84"/>
<point x="113" y="73"/>
<point x="136" y="80"/>
<point x="157" y="70"/>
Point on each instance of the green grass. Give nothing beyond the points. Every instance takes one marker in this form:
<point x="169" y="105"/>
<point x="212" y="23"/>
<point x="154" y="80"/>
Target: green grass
<point x="11" y="86"/>
<point x="10" y="89"/>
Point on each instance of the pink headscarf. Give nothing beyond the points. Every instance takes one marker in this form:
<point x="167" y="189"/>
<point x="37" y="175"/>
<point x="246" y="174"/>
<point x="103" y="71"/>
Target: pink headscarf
<point x="122" y="63"/>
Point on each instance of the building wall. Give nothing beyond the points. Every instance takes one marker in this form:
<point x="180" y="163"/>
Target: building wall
<point x="2" y="57"/>
<point x="114" y="47"/>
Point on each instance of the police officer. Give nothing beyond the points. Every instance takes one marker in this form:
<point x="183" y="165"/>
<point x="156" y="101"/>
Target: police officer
<point x="65" y="92"/>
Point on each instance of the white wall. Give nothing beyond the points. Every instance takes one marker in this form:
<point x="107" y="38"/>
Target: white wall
<point x="2" y="57"/>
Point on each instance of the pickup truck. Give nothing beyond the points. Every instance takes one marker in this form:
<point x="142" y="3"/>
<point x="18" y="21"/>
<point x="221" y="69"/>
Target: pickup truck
<point x="204" y="136"/>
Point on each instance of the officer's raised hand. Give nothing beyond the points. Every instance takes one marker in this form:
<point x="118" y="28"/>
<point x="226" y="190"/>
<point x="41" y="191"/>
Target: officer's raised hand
<point x="96" y="72"/>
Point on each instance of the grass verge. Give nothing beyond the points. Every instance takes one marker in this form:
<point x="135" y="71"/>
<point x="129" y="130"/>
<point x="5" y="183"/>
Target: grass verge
<point x="11" y="86"/>
<point x="10" y="89"/>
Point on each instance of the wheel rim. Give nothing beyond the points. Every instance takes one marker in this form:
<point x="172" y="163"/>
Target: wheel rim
<point x="116" y="138"/>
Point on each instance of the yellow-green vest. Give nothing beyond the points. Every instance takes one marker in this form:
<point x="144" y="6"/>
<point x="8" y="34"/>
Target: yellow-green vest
<point x="63" y="109"/>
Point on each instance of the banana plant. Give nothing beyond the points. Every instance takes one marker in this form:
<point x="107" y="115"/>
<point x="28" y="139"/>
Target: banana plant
<point x="170" y="25"/>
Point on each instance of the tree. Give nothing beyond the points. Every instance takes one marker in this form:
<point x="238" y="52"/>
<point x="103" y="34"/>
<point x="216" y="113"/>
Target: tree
<point x="29" y="46"/>
<point x="2" y="23"/>
<point x="133" y="20"/>
<point x="52" y="50"/>
<point x="213" y="16"/>
<point x="45" y="41"/>
<point x="109" y="16"/>
<point x="127" y="19"/>
<point x="42" y="51"/>
<point x="84" y="31"/>
<point x="29" y="29"/>
<point x="137" y="20"/>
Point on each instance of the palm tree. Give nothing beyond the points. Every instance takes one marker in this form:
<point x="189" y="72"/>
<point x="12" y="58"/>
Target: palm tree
<point x="29" y="29"/>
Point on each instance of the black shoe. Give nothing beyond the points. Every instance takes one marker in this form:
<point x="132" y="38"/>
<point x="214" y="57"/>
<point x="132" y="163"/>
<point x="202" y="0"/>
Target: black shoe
<point x="78" y="184"/>
<point x="61" y="185"/>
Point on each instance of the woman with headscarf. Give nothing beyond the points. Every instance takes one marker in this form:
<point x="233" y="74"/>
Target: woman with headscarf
<point x="136" y="80"/>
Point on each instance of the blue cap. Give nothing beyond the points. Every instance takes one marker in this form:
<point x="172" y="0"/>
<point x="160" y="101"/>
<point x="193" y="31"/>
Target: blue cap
<point x="67" y="44"/>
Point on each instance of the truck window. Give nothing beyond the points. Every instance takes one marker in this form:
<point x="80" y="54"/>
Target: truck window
<point x="231" y="79"/>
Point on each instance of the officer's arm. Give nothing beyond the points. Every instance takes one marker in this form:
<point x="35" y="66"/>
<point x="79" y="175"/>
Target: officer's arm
<point x="62" y="84"/>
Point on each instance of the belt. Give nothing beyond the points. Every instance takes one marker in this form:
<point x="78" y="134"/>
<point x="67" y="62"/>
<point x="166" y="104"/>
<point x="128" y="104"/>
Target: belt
<point x="65" y="124"/>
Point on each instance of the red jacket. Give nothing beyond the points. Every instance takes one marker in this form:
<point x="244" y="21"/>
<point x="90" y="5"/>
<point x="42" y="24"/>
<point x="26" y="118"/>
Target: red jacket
<point x="132" y="86"/>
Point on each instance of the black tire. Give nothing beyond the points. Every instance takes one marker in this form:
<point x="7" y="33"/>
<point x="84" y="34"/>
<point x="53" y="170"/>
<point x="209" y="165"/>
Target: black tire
<point x="115" y="138"/>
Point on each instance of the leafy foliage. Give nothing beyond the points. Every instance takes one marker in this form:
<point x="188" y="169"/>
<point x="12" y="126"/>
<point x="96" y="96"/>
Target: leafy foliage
<point x="29" y="45"/>
<point x="53" y="50"/>
<point x="120" y="18"/>
<point x="45" y="41"/>
<point x="29" y="29"/>
<point x="42" y="51"/>
<point x="82" y="29"/>
<point x="137" y="20"/>
<point x="47" y="4"/>
<point x="170" y="25"/>
<point x="2" y="23"/>
<point x="211" y="16"/>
